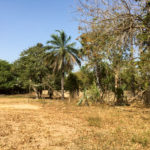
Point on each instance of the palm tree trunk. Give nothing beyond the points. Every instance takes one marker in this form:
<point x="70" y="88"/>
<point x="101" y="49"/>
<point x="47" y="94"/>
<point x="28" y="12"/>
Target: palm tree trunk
<point x="62" y="86"/>
<point x="62" y="80"/>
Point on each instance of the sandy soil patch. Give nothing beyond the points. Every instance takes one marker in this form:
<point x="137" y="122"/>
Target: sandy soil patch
<point x="19" y="106"/>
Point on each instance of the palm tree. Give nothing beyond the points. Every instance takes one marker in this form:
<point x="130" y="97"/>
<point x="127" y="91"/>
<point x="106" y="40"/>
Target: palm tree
<point x="62" y="55"/>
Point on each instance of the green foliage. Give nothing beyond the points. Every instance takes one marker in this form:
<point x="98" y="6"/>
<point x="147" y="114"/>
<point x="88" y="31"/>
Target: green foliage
<point x="91" y="95"/>
<point x="62" y="54"/>
<point x="6" y="77"/>
<point x="85" y="77"/>
<point x="129" y="79"/>
<point x="32" y="62"/>
<point x="144" y="73"/>
<point x="105" y="76"/>
<point x="119" y="93"/>
<point x="94" y="93"/>
<point x="72" y="84"/>
<point x="31" y="68"/>
<point x="84" y="100"/>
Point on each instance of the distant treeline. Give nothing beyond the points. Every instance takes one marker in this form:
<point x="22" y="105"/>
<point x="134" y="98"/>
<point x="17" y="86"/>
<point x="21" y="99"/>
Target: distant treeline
<point x="9" y="80"/>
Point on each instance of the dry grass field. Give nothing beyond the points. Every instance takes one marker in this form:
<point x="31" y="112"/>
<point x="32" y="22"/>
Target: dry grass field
<point x="27" y="124"/>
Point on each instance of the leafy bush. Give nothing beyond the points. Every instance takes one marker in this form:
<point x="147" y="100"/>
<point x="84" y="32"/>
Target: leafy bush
<point x="72" y="84"/>
<point x="91" y="95"/>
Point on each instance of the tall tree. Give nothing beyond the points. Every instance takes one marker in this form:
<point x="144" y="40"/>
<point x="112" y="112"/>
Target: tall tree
<point x="62" y="55"/>
<point x="118" y="25"/>
<point x="32" y="68"/>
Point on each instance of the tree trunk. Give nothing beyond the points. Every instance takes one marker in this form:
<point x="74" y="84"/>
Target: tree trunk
<point x="50" y="92"/>
<point x="119" y="93"/>
<point x="62" y="79"/>
<point x="62" y="86"/>
<point x="146" y="97"/>
<point x="97" y="77"/>
<point x="97" y="74"/>
<point x="36" y="92"/>
<point x="132" y="68"/>
<point x="116" y="78"/>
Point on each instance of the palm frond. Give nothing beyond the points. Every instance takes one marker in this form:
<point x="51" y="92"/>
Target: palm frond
<point x="75" y="58"/>
<point x="61" y="52"/>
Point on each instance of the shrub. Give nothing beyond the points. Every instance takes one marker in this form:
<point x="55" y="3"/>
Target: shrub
<point x="94" y="121"/>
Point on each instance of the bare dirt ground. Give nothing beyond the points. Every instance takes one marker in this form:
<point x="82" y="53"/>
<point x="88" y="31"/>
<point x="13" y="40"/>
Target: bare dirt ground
<point x="19" y="106"/>
<point x="56" y="125"/>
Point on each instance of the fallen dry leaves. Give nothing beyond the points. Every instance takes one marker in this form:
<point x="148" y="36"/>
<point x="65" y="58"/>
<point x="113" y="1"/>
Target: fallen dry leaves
<point x="55" y="125"/>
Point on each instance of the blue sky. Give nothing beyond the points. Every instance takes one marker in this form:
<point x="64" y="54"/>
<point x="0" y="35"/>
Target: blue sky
<point x="23" y="23"/>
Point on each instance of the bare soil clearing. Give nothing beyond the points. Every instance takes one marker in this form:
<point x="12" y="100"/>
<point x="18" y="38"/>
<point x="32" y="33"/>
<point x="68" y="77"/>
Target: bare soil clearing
<point x="56" y="125"/>
<point x="19" y="106"/>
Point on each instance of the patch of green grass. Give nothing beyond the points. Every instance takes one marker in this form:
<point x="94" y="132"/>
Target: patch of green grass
<point x="143" y="140"/>
<point x="118" y="130"/>
<point x="94" y="121"/>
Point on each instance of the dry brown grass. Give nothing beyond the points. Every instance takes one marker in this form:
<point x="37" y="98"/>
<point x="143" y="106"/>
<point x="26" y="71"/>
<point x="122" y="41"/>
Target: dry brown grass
<point x="56" y="125"/>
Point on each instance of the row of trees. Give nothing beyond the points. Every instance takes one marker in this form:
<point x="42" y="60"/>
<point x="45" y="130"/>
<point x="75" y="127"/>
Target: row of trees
<point x="115" y="39"/>
<point x="41" y="67"/>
